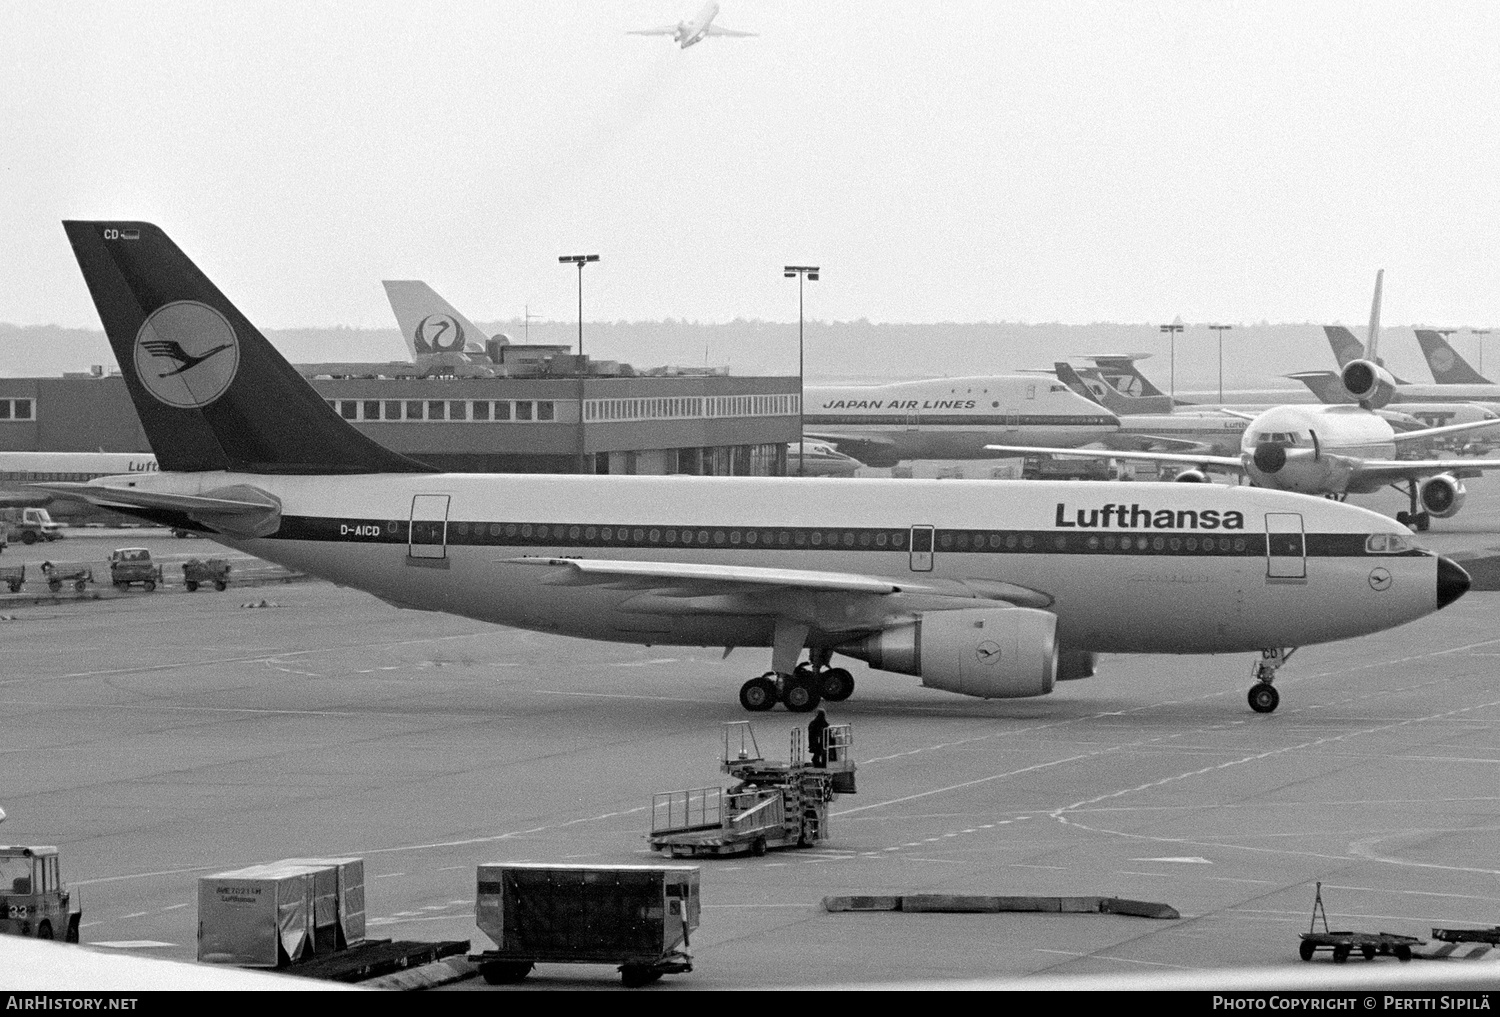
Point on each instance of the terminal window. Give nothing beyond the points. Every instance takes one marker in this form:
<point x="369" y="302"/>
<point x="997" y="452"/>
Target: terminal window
<point x="458" y="409"/>
<point x="349" y="409"/>
<point x="502" y="410"/>
<point x="393" y="409"/>
<point x="544" y="410"/>
<point x="372" y="409"/>
<point x="523" y="409"/>
<point x="435" y="408"/>
<point x="414" y="409"/>
<point x="481" y="410"/>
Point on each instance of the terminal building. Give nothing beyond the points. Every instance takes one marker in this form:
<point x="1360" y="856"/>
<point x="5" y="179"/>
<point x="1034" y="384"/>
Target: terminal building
<point x="541" y="421"/>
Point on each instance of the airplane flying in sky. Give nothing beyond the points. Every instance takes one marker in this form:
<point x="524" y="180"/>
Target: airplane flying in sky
<point x="686" y="33"/>
<point x="950" y="418"/>
<point x="995" y="589"/>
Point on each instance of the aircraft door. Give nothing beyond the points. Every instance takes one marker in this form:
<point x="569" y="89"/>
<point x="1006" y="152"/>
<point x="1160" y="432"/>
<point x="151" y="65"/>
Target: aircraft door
<point x="1286" y="548"/>
<point x="1012" y="420"/>
<point x="921" y="548"/>
<point x="429" y="526"/>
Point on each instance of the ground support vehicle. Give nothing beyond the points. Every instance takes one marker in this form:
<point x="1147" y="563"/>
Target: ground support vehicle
<point x="33" y="900"/>
<point x="58" y="574"/>
<point x="34" y="524"/>
<point x="197" y="572"/>
<point x="131" y="565"/>
<point x="638" y="917"/>
<point x="13" y="576"/>
<point x="1342" y="944"/>
<point x="774" y="805"/>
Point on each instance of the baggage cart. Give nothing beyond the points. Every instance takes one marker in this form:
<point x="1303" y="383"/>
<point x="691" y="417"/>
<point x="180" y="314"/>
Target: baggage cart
<point x="73" y="574"/>
<point x="1343" y="943"/>
<point x="196" y="572"/>
<point x="13" y="576"/>
<point x="636" y="917"/>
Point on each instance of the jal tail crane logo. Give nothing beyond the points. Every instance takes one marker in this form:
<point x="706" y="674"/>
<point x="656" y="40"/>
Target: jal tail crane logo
<point x="186" y="354"/>
<point x="438" y="333"/>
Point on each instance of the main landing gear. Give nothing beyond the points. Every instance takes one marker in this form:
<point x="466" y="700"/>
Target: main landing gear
<point x="801" y="691"/>
<point x="1417" y="520"/>
<point x="1263" y="696"/>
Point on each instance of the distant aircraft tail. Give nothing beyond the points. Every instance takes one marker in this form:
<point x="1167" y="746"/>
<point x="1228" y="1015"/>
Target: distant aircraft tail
<point x="1120" y="371"/>
<point x="1448" y="368"/>
<point x="430" y="325"/>
<point x="1093" y="385"/>
<point x="211" y="392"/>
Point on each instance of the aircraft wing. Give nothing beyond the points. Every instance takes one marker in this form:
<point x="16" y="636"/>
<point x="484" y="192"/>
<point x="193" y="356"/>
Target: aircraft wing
<point x="1390" y="470"/>
<point x="1229" y="464"/>
<point x="240" y="511"/>
<point x="837" y="438"/>
<point x="837" y="601"/>
<point x="1434" y="432"/>
<point x="664" y="30"/>
<point x="716" y="30"/>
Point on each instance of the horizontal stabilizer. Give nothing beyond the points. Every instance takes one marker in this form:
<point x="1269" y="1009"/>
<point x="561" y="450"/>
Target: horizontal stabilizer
<point x="239" y="510"/>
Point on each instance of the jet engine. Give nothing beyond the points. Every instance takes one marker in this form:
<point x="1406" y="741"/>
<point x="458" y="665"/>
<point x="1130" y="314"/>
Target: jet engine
<point x="1442" y="496"/>
<point x="1368" y="382"/>
<point x="1191" y="476"/>
<point x="991" y="653"/>
<point x="1075" y="664"/>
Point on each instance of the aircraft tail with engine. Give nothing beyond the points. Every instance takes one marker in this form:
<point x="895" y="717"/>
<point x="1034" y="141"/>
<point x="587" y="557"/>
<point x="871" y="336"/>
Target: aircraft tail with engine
<point x="211" y="391"/>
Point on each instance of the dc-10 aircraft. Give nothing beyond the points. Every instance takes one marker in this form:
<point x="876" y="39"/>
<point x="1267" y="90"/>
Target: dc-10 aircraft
<point x="686" y="33"/>
<point x="950" y="418"/>
<point x="993" y="589"/>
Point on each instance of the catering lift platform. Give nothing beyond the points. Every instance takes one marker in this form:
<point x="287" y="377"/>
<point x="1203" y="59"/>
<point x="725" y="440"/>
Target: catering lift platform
<point x="775" y="804"/>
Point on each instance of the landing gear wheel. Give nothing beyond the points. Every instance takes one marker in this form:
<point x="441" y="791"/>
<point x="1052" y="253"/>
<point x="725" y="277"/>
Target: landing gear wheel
<point x="802" y="693"/>
<point x="1305" y="951"/>
<point x="633" y="976"/>
<point x="505" y="972"/>
<point x="838" y="685"/>
<point x="1263" y="697"/>
<point x="1422" y="521"/>
<point x="1403" y="517"/>
<point x="758" y="694"/>
<point x="44" y="930"/>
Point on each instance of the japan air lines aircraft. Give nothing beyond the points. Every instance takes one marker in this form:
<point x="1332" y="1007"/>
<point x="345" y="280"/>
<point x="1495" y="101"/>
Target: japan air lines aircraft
<point x="686" y="33"/>
<point x="994" y="589"/>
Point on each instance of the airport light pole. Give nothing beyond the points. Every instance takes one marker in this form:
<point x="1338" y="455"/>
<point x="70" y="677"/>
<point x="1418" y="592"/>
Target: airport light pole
<point x="580" y="260"/>
<point x="809" y="272"/>
<point x="1172" y="330"/>
<point x="1221" y="329"/>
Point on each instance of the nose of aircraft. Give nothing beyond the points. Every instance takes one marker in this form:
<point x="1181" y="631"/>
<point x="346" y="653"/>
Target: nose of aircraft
<point x="1452" y="582"/>
<point x="1270" y="457"/>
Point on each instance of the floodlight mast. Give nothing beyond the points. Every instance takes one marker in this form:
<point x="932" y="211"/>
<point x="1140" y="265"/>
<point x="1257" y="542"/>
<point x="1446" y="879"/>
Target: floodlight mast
<point x="801" y="272"/>
<point x="580" y="260"/>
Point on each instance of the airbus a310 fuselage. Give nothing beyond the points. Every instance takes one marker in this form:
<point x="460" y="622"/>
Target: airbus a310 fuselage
<point x="992" y="589"/>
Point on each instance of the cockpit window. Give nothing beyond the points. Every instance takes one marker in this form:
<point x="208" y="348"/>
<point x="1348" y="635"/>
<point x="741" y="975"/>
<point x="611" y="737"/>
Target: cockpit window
<point x="1279" y="437"/>
<point x="1387" y="543"/>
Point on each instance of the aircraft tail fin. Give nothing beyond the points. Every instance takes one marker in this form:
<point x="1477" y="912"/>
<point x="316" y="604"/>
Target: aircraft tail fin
<point x="211" y="392"/>
<point x="1069" y="376"/>
<point x="1120" y="371"/>
<point x="1345" y="346"/>
<point x="1328" y="386"/>
<point x="1448" y="368"/>
<point x="1372" y="339"/>
<point x="429" y="324"/>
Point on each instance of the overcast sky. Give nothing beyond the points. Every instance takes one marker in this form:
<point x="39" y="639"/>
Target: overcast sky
<point x="943" y="161"/>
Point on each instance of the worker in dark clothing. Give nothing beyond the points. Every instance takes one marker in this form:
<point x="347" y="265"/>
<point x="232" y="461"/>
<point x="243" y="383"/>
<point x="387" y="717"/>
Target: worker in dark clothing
<point x="817" y="739"/>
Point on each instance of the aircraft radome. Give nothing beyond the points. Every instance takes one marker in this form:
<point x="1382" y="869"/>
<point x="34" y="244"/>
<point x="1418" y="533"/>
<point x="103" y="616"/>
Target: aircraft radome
<point x="995" y="589"/>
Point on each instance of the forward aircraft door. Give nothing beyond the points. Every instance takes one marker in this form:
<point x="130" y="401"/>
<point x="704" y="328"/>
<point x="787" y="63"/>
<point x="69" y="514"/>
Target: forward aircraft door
<point x="429" y="527"/>
<point x="921" y="548"/>
<point x="1286" y="547"/>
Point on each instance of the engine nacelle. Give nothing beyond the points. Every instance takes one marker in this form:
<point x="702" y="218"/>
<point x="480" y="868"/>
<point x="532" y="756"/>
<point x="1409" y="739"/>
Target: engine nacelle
<point x="1368" y="382"/>
<point x="991" y="653"/>
<point x="1442" y="496"/>
<point x="1192" y="477"/>
<point x="1075" y="664"/>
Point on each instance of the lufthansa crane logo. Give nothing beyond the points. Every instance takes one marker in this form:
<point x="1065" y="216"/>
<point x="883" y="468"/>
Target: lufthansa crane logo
<point x="1380" y="579"/>
<point x="439" y="333"/>
<point x="186" y="354"/>
<point x="1442" y="359"/>
<point x="988" y="653"/>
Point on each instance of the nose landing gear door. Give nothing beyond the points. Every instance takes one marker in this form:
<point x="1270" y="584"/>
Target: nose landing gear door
<point x="429" y="530"/>
<point x="1286" y="547"/>
<point x="921" y="548"/>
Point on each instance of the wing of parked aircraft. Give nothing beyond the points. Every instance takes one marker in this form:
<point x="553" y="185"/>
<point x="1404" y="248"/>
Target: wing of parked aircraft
<point x="1231" y="464"/>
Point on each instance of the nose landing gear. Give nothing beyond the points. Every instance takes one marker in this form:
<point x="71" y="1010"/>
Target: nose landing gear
<point x="1263" y="697"/>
